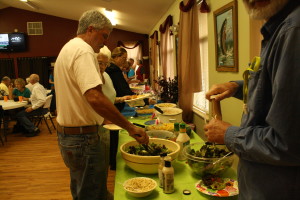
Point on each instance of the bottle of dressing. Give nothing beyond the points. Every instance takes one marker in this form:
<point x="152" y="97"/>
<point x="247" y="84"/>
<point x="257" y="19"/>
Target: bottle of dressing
<point x="168" y="177"/>
<point x="183" y="140"/>
<point x="160" y="167"/>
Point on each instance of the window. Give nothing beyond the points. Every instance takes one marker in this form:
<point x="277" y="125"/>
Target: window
<point x="135" y="53"/>
<point x="35" y="28"/>
<point x="200" y="103"/>
<point x="167" y="54"/>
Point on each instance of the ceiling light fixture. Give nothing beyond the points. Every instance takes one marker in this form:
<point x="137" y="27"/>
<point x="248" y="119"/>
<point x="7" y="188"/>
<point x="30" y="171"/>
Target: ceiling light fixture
<point x="30" y="4"/>
<point x="111" y="16"/>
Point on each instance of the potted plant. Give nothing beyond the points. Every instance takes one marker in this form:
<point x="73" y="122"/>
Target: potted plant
<point x="168" y="89"/>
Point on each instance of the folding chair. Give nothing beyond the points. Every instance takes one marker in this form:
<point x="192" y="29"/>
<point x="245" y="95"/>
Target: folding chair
<point x="45" y="114"/>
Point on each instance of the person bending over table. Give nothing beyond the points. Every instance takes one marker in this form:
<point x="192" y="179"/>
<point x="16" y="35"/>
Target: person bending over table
<point x="37" y="99"/>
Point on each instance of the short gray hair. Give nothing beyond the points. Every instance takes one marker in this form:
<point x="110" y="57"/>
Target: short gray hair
<point x="93" y="18"/>
<point x="5" y="78"/>
<point x="34" y="77"/>
<point x="105" y="51"/>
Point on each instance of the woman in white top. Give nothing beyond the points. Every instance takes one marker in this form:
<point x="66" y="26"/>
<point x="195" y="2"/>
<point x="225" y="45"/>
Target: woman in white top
<point x="110" y="92"/>
<point x="108" y="87"/>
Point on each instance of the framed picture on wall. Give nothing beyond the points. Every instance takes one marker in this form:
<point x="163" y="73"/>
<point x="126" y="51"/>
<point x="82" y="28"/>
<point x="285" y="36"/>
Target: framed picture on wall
<point x="226" y="39"/>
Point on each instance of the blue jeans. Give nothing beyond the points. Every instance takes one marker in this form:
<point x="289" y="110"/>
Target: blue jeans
<point x="87" y="157"/>
<point x="23" y="120"/>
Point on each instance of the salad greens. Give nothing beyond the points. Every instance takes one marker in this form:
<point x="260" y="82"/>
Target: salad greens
<point x="215" y="182"/>
<point x="151" y="149"/>
<point x="204" y="166"/>
<point x="209" y="151"/>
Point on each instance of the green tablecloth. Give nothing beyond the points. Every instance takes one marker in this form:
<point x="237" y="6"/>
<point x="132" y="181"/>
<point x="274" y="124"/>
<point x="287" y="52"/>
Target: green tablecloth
<point x="184" y="178"/>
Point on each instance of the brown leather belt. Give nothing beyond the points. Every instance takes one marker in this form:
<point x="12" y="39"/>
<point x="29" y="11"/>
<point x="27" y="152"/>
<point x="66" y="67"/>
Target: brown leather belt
<point x="77" y="130"/>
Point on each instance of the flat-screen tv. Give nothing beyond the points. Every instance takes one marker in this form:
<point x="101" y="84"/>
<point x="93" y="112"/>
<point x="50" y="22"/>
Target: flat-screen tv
<point x="13" y="42"/>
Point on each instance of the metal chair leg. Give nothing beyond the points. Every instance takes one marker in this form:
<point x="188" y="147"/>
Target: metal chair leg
<point x="52" y="122"/>
<point x="47" y="124"/>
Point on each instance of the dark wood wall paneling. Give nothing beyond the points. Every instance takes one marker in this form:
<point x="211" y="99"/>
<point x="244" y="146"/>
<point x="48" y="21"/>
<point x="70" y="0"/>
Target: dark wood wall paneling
<point x="57" y="31"/>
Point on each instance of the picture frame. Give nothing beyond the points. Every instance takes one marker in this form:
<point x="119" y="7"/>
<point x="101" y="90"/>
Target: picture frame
<point x="226" y="38"/>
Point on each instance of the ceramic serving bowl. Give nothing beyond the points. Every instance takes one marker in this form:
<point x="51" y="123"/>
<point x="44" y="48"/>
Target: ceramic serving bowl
<point x="170" y="114"/>
<point x="147" y="164"/>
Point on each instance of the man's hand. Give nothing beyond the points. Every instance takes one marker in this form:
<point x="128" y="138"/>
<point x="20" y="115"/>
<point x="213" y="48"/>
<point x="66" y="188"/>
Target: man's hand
<point x="215" y="130"/>
<point x="138" y="134"/>
<point x="29" y="109"/>
<point x="222" y="91"/>
<point x="108" y="111"/>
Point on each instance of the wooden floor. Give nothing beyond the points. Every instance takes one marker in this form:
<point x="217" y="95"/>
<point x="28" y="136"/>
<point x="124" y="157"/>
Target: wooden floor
<point x="32" y="168"/>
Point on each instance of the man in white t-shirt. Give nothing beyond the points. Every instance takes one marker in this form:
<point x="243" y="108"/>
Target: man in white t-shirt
<point x="82" y="107"/>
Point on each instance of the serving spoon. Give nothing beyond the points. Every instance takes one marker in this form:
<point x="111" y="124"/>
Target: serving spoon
<point x="226" y="155"/>
<point x="158" y="109"/>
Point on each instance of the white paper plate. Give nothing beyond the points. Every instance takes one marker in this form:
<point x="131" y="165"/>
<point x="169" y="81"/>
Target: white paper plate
<point x="112" y="127"/>
<point x="143" y="96"/>
<point x="228" y="191"/>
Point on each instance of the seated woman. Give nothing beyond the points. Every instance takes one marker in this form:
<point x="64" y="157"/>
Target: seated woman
<point x="20" y="89"/>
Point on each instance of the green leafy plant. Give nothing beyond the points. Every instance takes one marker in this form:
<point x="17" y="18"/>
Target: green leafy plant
<point x="168" y="89"/>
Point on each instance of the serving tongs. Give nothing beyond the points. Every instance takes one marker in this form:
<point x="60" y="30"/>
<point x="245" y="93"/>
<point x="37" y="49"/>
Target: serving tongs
<point x="146" y="146"/>
<point x="139" y="125"/>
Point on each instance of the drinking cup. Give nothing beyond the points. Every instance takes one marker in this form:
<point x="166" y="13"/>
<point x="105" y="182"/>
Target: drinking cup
<point x="20" y="98"/>
<point x="5" y="98"/>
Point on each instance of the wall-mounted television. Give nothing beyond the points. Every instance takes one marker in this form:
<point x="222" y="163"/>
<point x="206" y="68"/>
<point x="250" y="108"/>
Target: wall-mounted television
<point x="13" y="42"/>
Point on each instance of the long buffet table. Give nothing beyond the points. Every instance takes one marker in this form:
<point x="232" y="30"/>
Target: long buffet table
<point x="184" y="178"/>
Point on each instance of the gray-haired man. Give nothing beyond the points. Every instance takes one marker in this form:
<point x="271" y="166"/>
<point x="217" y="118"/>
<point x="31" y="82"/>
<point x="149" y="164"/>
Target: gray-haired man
<point x="82" y="107"/>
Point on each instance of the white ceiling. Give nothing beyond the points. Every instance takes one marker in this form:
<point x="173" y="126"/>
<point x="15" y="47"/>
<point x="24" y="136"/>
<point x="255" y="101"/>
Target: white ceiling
<point x="138" y="16"/>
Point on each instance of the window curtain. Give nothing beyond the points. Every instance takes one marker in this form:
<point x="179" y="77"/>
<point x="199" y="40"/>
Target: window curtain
<point x="167" y="48"/>
<point x="35" y="65"/>
<point x="189" y="69"/>
<point x="7" y="68"/>
<point x="133" y="48"/>
<point x="154" y="60"/>
<point x="200" y="101"/>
